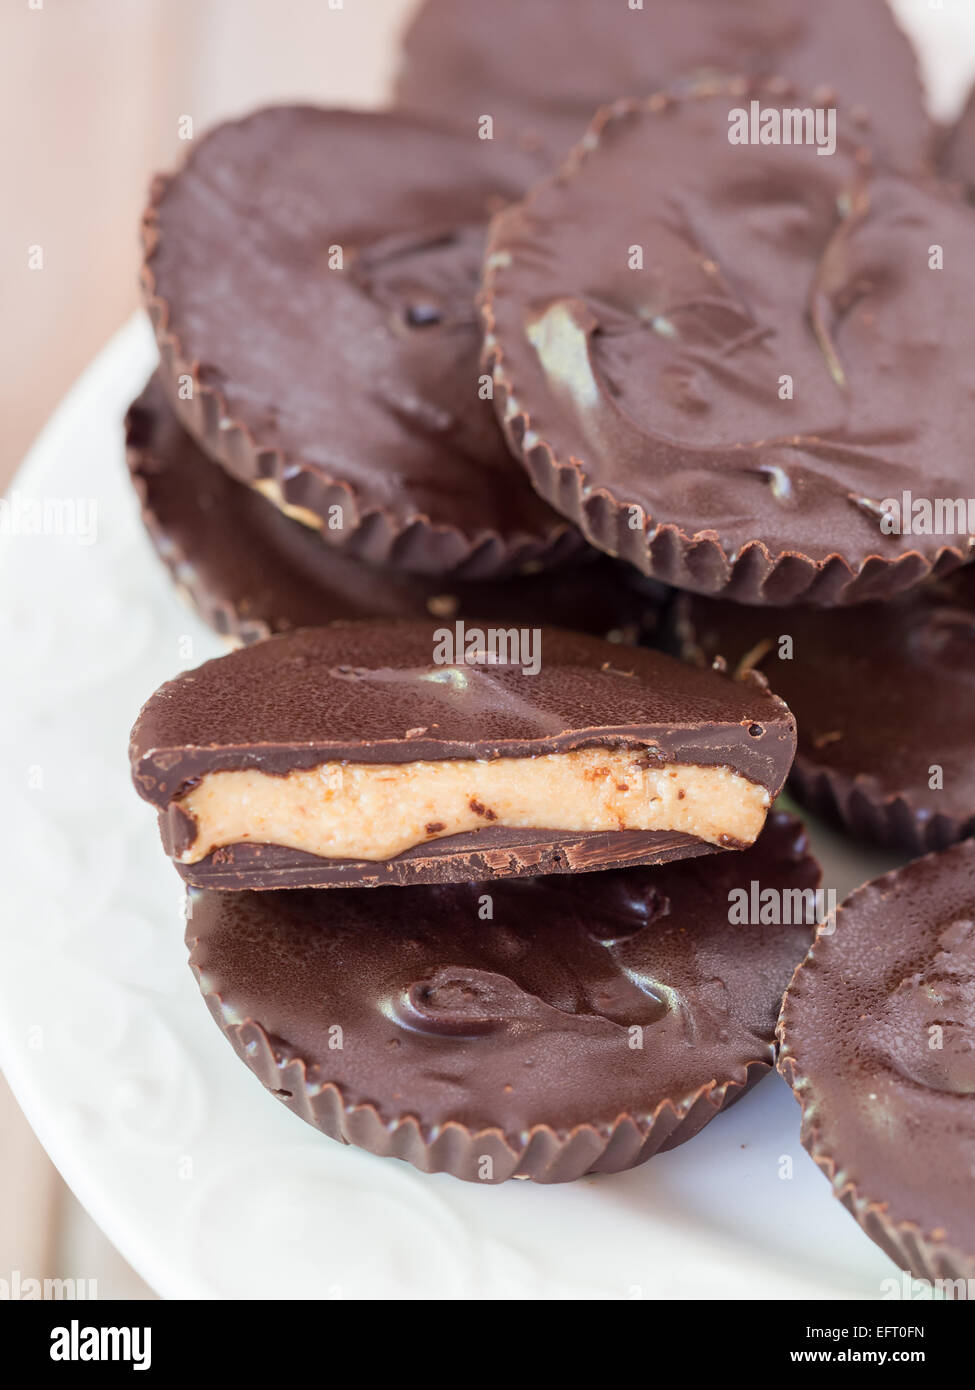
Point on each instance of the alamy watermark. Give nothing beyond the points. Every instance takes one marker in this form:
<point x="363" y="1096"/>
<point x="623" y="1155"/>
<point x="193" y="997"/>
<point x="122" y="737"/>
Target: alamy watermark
<point x="20" y="1288"/>
<point x="913" y="1290"/>
<point x="908" y="515"/>
<point x="756" y="906"/>
<point x="21" y="515"/>
<point x="77" y="1342"/>
<point x="461" y="645"/>
<point x="786" y="125"/>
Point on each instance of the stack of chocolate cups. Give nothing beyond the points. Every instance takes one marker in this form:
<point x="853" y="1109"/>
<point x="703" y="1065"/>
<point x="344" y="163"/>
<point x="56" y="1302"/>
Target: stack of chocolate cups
<point x="530" y="457"/>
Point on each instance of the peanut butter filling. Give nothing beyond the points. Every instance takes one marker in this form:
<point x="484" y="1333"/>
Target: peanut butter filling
<point x="376" y="811"/>
<point x="271" y="489"/>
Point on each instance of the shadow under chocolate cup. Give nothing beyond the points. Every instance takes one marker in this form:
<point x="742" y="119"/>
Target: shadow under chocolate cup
<point x="714" y="356"/>
<point x="311" y="275"/>
<point x="250" y="571"/>
<point x="537" y="1028"/>
<point x="882" y="694"/>
<point x="875" y="1039"/>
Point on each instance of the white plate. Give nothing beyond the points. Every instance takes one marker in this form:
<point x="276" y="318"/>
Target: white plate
<point x="205" y="1185"/>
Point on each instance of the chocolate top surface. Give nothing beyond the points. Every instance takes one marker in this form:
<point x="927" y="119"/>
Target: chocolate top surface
<point x="524" y="1018"/>
<point x="881" y="692"/>
<point x="542" y="68"/>
<point x="766" y="270"/>
<point x="368" y="373"/>
<point x="374" y="692"/>
<point x="958" y="155"/>
<point x="252" y="571"/>
<point x="878" y="1029"/>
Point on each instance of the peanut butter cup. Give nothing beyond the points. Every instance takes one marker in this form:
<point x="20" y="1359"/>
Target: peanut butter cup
<point x="719" y="359"/>
<point x="251" y="571"/>
<point x="534" y="1028"/>
<point x="369" y="753"/>
<point x="311" y="278"/>
<point x="876" y="1037"/>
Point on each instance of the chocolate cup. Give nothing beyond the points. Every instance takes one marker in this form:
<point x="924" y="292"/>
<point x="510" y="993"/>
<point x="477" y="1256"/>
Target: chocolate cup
<point x="541" y="69"/>
<point x="667" y="475"/>
<point x="893" y="822"/>
<point x="251" y="572"/>
<point x="349" y="392"/>
<point x="878" y="695"/>
<point x="891" y="1127"/>
<point x="378" y="693"/>
<point x="530" y="1015"/>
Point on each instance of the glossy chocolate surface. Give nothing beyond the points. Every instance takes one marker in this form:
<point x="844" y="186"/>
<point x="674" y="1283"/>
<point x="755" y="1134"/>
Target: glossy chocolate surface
<point x="375" y="693"/>
<point x="877" y="1039"/>
<point x="312" y="273"/>
<point x="724" y="377"/>
<point x="589" y="1023"/>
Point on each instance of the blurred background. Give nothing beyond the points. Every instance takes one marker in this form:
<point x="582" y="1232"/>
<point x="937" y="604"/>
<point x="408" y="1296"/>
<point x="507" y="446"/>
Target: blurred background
<point x="91" y="95"/>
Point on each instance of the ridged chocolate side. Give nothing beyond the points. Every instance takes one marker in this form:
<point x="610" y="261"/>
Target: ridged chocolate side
<point x="545" y="1156"/>
<point x="408" y="1024"/>
<point x="250" y="571"/>
<point x="310" y="276"/>
<point x="895" y="822"/>
<point x="613" y="383"/>
<point x="882" y="697"/>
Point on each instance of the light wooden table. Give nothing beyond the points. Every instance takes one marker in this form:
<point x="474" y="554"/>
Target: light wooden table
<point x="90" y="101"/>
